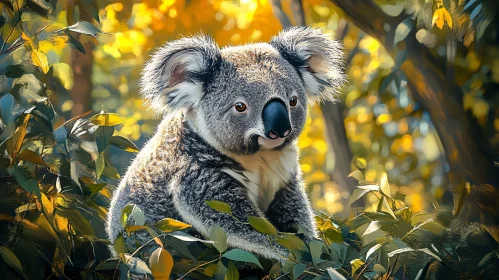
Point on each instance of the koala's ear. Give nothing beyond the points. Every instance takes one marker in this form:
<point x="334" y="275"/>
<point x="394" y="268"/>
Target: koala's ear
<point x="318" y="59"/>
<point x="175" y="75"/>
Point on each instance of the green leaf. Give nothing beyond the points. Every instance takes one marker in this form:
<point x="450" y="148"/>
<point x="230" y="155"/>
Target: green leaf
<point x="220" y="272"/>
<point x="232" y="273"/>
<point x="7" y="103"/>
<point x="372" y="250"/>
<point x="79" y="222"/>
<point x="119" y="244"/>
<point x="169" y="225"/>
<point x="124" y="144"/>
<point x="188" y="238"/>
<point x="31" y="186"/>
<point x="11" y="259"/>
<point x="242" y="256"/>
<point x="405" y="250"/>
<point x="84" y="27"/>
<point x="136" y="265"/>
<point x="262" y="225"/>
<point x="379" y="268"/>
<point x="356" y="264"/>
<point x="218" y="235"/>
<point x="298" y="270"/>
<point x="73" y="42"/>
<point x="179" y="246"/>
<point x="125" y="213"/>
<point x="138" y="216"/>
<point x="357" y="174"/>
<point x="99" y="164"/>
<point x="335" y="275"/>
<point x="383" y="206"/>
<point x="356" y="195"/>
<point x="384" y="186"/>
<point x="111" y="172"/>
<point x="30" y="156"/>
<point x="316" y="250"/>
<point x="219" y="206"/>
<point x="333" y="235"/>
<point x="291" y="242"/>
<point x="106" y="119"/>
<point x="96" y="187"/>
<point x="103" y="135"/>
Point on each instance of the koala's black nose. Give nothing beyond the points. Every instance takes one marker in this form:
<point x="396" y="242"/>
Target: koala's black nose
<point x="276" y="119"/>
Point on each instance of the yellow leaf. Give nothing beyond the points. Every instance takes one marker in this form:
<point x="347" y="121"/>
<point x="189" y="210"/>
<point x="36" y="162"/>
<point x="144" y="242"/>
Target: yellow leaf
<point x="40" y="60"/>
<point x="356" y="264"/>
<point x="16" y="140"/>
<point x="161" y="264"/>
<point x="384" y="186"/>
<point x="106" y="119"/>
<point x="61" y="223"/>
<point x="28" y="155"/>
<point x="27" y="40"/>
<point x="169" y="225"/>
<point x="134" y="228"/>
<point x="437" y="19"/>
<point x="447" y="17"/>
<point x="48" y="206"/>
<point x="441" y="16"/>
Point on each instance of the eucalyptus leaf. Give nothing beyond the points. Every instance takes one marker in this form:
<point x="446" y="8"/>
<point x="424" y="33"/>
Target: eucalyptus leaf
<point x="218" y="235"/>
<point x="262" y="225"/>
<point x="219" y="206"/>
<point x="298" y="270"/>
<point x="242" y="256"/>
<point x="7" y="103"/>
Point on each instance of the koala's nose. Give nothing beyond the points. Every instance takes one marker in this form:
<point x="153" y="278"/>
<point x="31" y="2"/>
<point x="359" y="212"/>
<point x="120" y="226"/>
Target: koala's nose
<point x="276" y="119"/>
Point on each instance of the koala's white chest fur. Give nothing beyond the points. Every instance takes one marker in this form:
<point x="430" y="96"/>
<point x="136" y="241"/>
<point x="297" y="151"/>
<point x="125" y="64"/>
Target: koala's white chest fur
<point x="265" y="173"/>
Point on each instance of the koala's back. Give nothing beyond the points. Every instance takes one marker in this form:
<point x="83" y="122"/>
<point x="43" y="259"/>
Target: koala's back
<point x="146" y="180"/>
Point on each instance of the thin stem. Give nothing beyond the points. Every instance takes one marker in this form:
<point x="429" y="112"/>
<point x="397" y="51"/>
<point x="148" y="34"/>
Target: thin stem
<point x="199" y="266"/>
<point x="47" y="260"/>
<point x="365" y="267"/>
<point x="275" y="251"/>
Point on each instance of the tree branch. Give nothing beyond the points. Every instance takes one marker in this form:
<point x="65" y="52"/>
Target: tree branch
<point x="430" y="89"/>
<point x="279" y="13"/>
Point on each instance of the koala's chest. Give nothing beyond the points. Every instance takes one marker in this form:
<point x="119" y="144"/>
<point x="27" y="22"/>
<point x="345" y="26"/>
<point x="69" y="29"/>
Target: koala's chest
<point x="265" y="173"/>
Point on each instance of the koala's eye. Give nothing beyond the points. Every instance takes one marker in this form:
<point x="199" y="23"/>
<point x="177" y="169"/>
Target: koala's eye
<point x="240" y="107"/>
<point x="293" y="101"/>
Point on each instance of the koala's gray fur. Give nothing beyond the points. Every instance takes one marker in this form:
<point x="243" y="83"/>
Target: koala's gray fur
<point x="205" y="150"/>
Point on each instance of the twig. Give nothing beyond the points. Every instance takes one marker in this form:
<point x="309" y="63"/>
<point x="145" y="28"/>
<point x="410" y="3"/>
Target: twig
<point x="364" y="269"/>
<point x="212" y="261"/>
<point x="47" y="260"/>
<point x="279" y="13"/>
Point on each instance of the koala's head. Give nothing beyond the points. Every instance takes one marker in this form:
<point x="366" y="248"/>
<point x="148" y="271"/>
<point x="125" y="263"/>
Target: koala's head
<point x="246" y="98"/>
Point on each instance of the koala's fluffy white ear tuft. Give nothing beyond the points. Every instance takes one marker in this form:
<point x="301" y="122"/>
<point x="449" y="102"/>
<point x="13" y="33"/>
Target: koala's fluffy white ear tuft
<point x="175" y="75"/>
<point x="317" y="57"/>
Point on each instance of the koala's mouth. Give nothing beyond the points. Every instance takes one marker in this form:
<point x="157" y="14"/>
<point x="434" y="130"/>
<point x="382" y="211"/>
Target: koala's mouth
<point x="270" y="143"/>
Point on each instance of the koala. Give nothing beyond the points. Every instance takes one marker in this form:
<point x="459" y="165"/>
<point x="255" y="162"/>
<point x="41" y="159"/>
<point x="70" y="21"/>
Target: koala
<point x="231" y="120"/>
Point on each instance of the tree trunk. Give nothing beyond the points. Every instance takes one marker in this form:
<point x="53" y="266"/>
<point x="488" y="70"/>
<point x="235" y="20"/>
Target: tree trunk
<point x="430" y="89"/>
<point x="335" y="132"/>
<point x="82" y="64"/>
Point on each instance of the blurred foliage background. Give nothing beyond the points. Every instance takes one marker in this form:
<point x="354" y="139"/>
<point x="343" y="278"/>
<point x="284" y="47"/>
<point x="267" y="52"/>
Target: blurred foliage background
<point x="384" y="125"/>
<point x="420" y="106"/>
